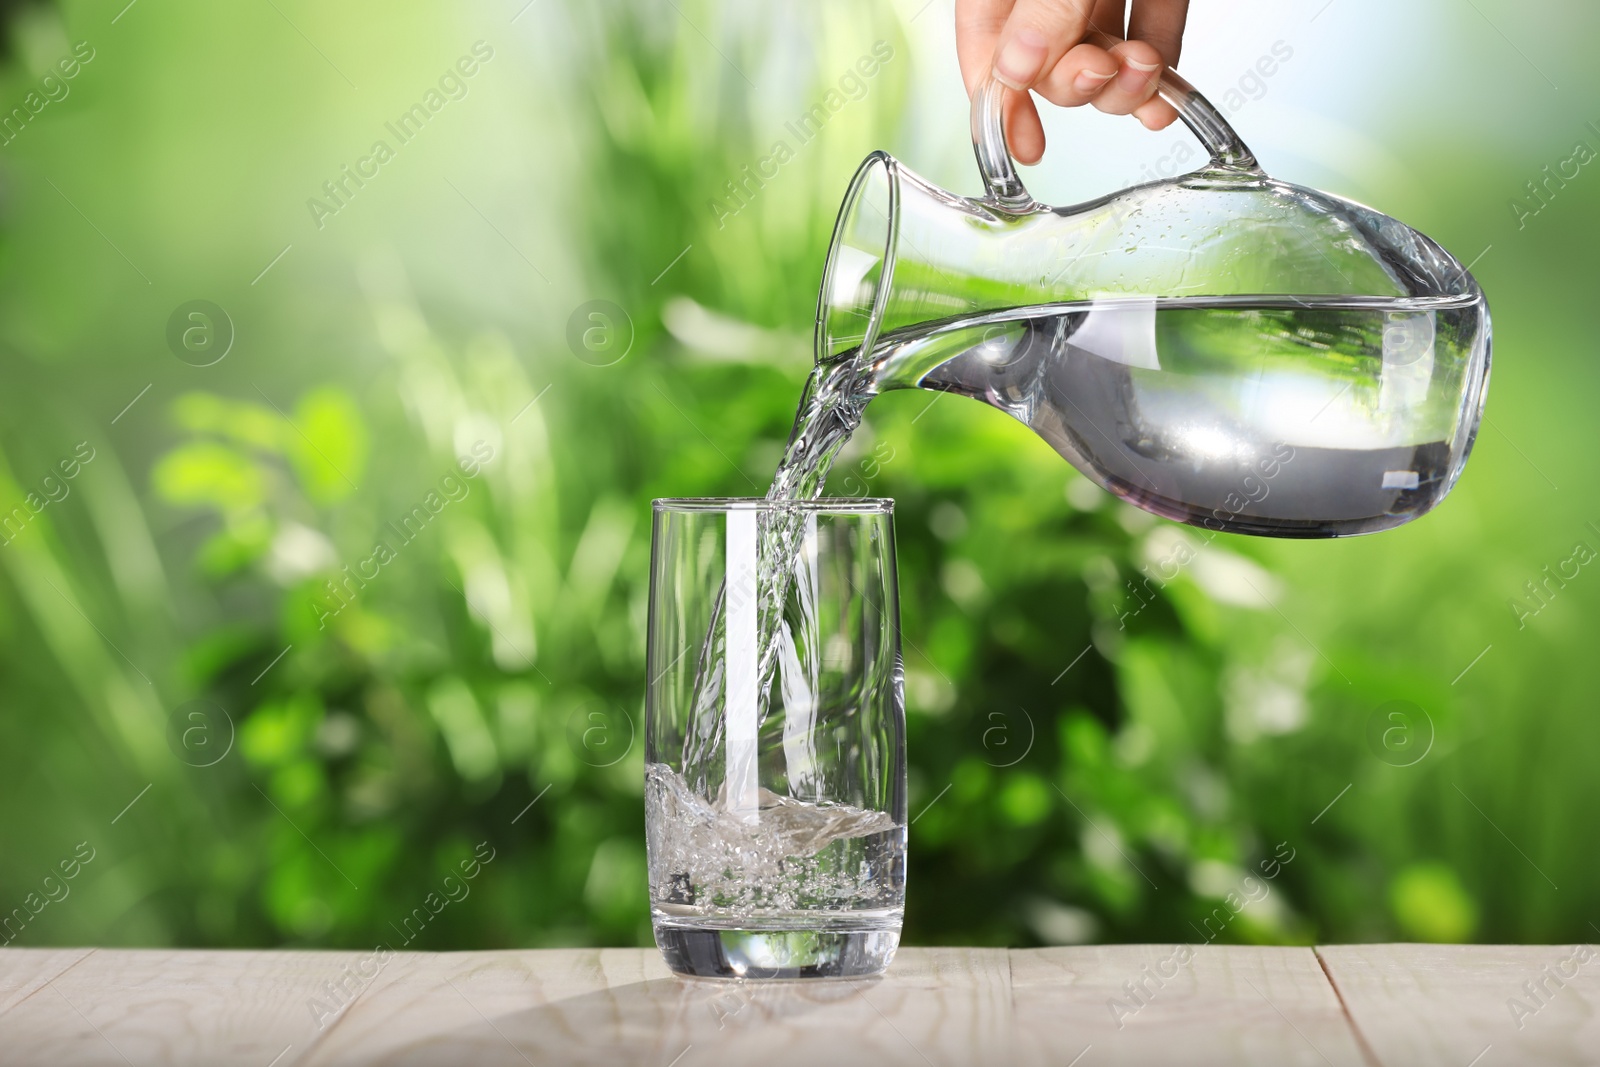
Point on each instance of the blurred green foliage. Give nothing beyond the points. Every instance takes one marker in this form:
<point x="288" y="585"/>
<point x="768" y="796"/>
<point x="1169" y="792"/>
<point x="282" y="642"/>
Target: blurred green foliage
<point x="283" y="715"/>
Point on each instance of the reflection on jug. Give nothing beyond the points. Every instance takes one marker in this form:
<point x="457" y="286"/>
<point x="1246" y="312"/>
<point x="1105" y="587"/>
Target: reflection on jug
<point x="1223" y="349"/>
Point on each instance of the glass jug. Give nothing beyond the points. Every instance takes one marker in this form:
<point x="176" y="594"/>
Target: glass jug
<point x="1222" y="348"/>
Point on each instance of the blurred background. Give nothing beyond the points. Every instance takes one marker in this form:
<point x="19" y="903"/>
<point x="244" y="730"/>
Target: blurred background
<point x="243" y="343"/>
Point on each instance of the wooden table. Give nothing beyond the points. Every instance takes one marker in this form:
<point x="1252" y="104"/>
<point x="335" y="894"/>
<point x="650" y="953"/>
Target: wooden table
<point x="1402" y="1005"/>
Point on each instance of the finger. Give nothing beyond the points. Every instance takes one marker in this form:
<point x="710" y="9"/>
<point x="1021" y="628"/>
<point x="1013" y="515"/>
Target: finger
<point x="1135" y="82"/>
<point x="1160" y="23"/>
<point x="1079" y="77"/>
<point x="1024" y="131"/>
<point x="1156" y="114"/>
<point x="1035" y="37"/>
<point x="978" y="25"/>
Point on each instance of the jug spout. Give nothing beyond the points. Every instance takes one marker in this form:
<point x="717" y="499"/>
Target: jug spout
<point x="903" y="253"/>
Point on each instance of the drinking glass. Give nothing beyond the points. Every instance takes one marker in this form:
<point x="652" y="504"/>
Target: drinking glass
<point x="775" y="778"/>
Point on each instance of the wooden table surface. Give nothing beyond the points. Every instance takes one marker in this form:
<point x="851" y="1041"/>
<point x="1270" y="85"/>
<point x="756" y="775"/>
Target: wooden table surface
<point x="1402" y="1005"/>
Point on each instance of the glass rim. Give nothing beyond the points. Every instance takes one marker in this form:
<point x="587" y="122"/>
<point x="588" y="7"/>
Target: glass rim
<point x="816" y="506"/>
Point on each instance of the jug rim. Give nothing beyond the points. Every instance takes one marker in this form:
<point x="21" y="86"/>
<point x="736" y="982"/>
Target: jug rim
<point x="821" y="335"/>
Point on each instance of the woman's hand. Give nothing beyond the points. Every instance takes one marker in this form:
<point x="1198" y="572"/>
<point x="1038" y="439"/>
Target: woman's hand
<point x="1071" y="52"/>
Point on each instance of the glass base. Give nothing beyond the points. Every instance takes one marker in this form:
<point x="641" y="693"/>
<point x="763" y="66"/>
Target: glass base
<point x="708" y="952"/>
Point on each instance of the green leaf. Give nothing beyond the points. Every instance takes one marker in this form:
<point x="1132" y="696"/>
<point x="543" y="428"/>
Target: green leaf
<point x="327" y="443"/>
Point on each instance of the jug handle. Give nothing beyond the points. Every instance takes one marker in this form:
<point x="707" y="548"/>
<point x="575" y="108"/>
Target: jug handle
<point x="1228" y="151"/>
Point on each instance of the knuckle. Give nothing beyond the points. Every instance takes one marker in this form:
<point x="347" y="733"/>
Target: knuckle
<point x="984" y="22"/>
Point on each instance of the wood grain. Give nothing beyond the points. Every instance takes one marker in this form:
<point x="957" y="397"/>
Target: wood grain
<point x="466" y="1006"/>
<point x="167" y="1007"/>
<point x="1455" y="1005"/>
<point x="936" y="1006"/>
<point x="23" y="972"/>
<point x="1402" y="1006"/>
<point x="1179" y="1004"/>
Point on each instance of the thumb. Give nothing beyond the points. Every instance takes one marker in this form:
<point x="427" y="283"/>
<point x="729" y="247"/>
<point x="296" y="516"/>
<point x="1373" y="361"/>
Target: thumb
<point x="1036" y="36"/>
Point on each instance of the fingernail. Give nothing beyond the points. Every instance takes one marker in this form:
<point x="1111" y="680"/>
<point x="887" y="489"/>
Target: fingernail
<point x="1135" y="76"/>
<point x="1088" y="81"/>
<point x="1019" y="61"/>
